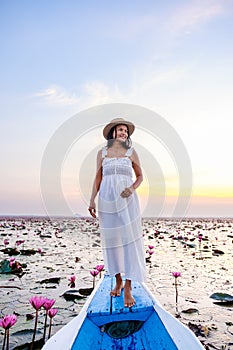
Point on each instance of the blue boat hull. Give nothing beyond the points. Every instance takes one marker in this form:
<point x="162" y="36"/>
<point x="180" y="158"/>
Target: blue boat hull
<point x="105" y="324"/>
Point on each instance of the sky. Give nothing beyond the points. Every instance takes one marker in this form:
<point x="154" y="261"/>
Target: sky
<point x="60" y="59"/>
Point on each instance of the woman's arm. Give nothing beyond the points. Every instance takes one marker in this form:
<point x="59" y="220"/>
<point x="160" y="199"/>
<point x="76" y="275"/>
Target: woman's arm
<point x="96" y="185"/>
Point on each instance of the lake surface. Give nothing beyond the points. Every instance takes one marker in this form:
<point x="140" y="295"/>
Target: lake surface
<point x="66" y="246"/>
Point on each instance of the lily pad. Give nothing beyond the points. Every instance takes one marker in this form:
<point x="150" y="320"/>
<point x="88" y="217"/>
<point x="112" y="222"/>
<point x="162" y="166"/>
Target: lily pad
<point x="16" y="267"/>
<point x="199" y="329"/>
<point x="37" y="345"/>
<point x="10" y="251"/>
<point x="223" y="297"/>
<point x="28" y="251"/>
<point x="85" y="291"/>
<point x="190" y="311"/>
<point x="5" y="266"/>
<point x="224" y="303"/>
<point x="51" y="280"/>
<point x="217" y="252"/>
<point x="190" y="245"/>
<point x="72" y="295"/>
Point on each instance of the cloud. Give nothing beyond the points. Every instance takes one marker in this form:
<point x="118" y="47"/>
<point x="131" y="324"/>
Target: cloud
<point x="194" y="14"/>
<point x="94" y="93"/>
<point x="157" y="23"/>
<point x="91" y="93"/>
<point x="57" y="95"/>
<point x="97" y="92"/>
<point x="142" y="89"/>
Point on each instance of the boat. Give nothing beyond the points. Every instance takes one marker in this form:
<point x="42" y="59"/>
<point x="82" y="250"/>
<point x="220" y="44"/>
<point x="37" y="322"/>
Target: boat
<point x="104" y="323"/>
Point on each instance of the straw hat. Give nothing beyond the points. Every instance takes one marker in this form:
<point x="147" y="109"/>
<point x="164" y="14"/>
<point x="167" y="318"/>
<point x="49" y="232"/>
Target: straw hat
<point x="118" y="121"/>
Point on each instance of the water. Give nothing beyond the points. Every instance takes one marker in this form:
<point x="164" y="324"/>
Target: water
<point x="72" y="246"/>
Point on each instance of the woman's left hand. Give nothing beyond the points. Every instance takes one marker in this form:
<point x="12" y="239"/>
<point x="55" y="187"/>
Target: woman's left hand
<point x="127" y="192"/>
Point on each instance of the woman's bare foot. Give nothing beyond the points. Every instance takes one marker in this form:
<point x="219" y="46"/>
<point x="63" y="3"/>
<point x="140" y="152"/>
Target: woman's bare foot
<point x="129" y="300"/>
<point x="116" y="291"/>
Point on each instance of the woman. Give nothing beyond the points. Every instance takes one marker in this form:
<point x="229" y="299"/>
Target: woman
<point x="118" y="208"/>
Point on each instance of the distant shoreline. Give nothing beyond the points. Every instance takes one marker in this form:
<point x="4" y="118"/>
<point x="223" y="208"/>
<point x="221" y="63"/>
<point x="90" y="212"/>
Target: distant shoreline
<point x="57" y="217"/>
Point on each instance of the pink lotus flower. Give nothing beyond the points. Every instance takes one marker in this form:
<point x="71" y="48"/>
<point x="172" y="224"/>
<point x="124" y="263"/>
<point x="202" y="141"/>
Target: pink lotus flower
<point x="52" y="312"/>
<point x="20" y="241"/>
<point x="94" y="273"/>
<point x="6" y="242"/>
<point x="8" y="321"/>
<point x="99" y="268"/>
<point x="37" y="302"/>
<point x="18" y="265"/>
<point x="151" y="246"/>
<point x="176" y="274"/>
<point x="12" y="261"/>
<point x="150" y="252"/>
<point x="48" y="304"/>
<point x="72" y="281"/>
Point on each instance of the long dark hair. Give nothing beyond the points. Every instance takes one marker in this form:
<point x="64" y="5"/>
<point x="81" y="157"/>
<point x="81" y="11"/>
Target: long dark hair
<point x="110" y="139"/>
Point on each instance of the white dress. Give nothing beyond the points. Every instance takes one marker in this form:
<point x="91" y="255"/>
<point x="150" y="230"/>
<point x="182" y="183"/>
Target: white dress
<point x="120" y="220"/>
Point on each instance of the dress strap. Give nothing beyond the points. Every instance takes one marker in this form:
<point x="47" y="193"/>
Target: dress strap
<point x="129" y="152"/>
<point x="104" y="152"/>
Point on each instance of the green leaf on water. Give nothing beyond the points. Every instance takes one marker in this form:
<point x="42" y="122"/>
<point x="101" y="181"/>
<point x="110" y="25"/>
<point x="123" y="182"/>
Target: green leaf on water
<point x="5" y="266"/>
<point x="51" y="280"/>
<point x="222" y="297"/>
<point x="72" y="294"/>
<point x="85" y="291"/>
<point x="190" y="311"/>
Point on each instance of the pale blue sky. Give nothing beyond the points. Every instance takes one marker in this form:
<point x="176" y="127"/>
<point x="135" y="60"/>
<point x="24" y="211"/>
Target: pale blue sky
<point x="61" y="57"/>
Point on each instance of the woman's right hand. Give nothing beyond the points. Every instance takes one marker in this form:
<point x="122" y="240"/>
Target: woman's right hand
<point x="92" y="210"/>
